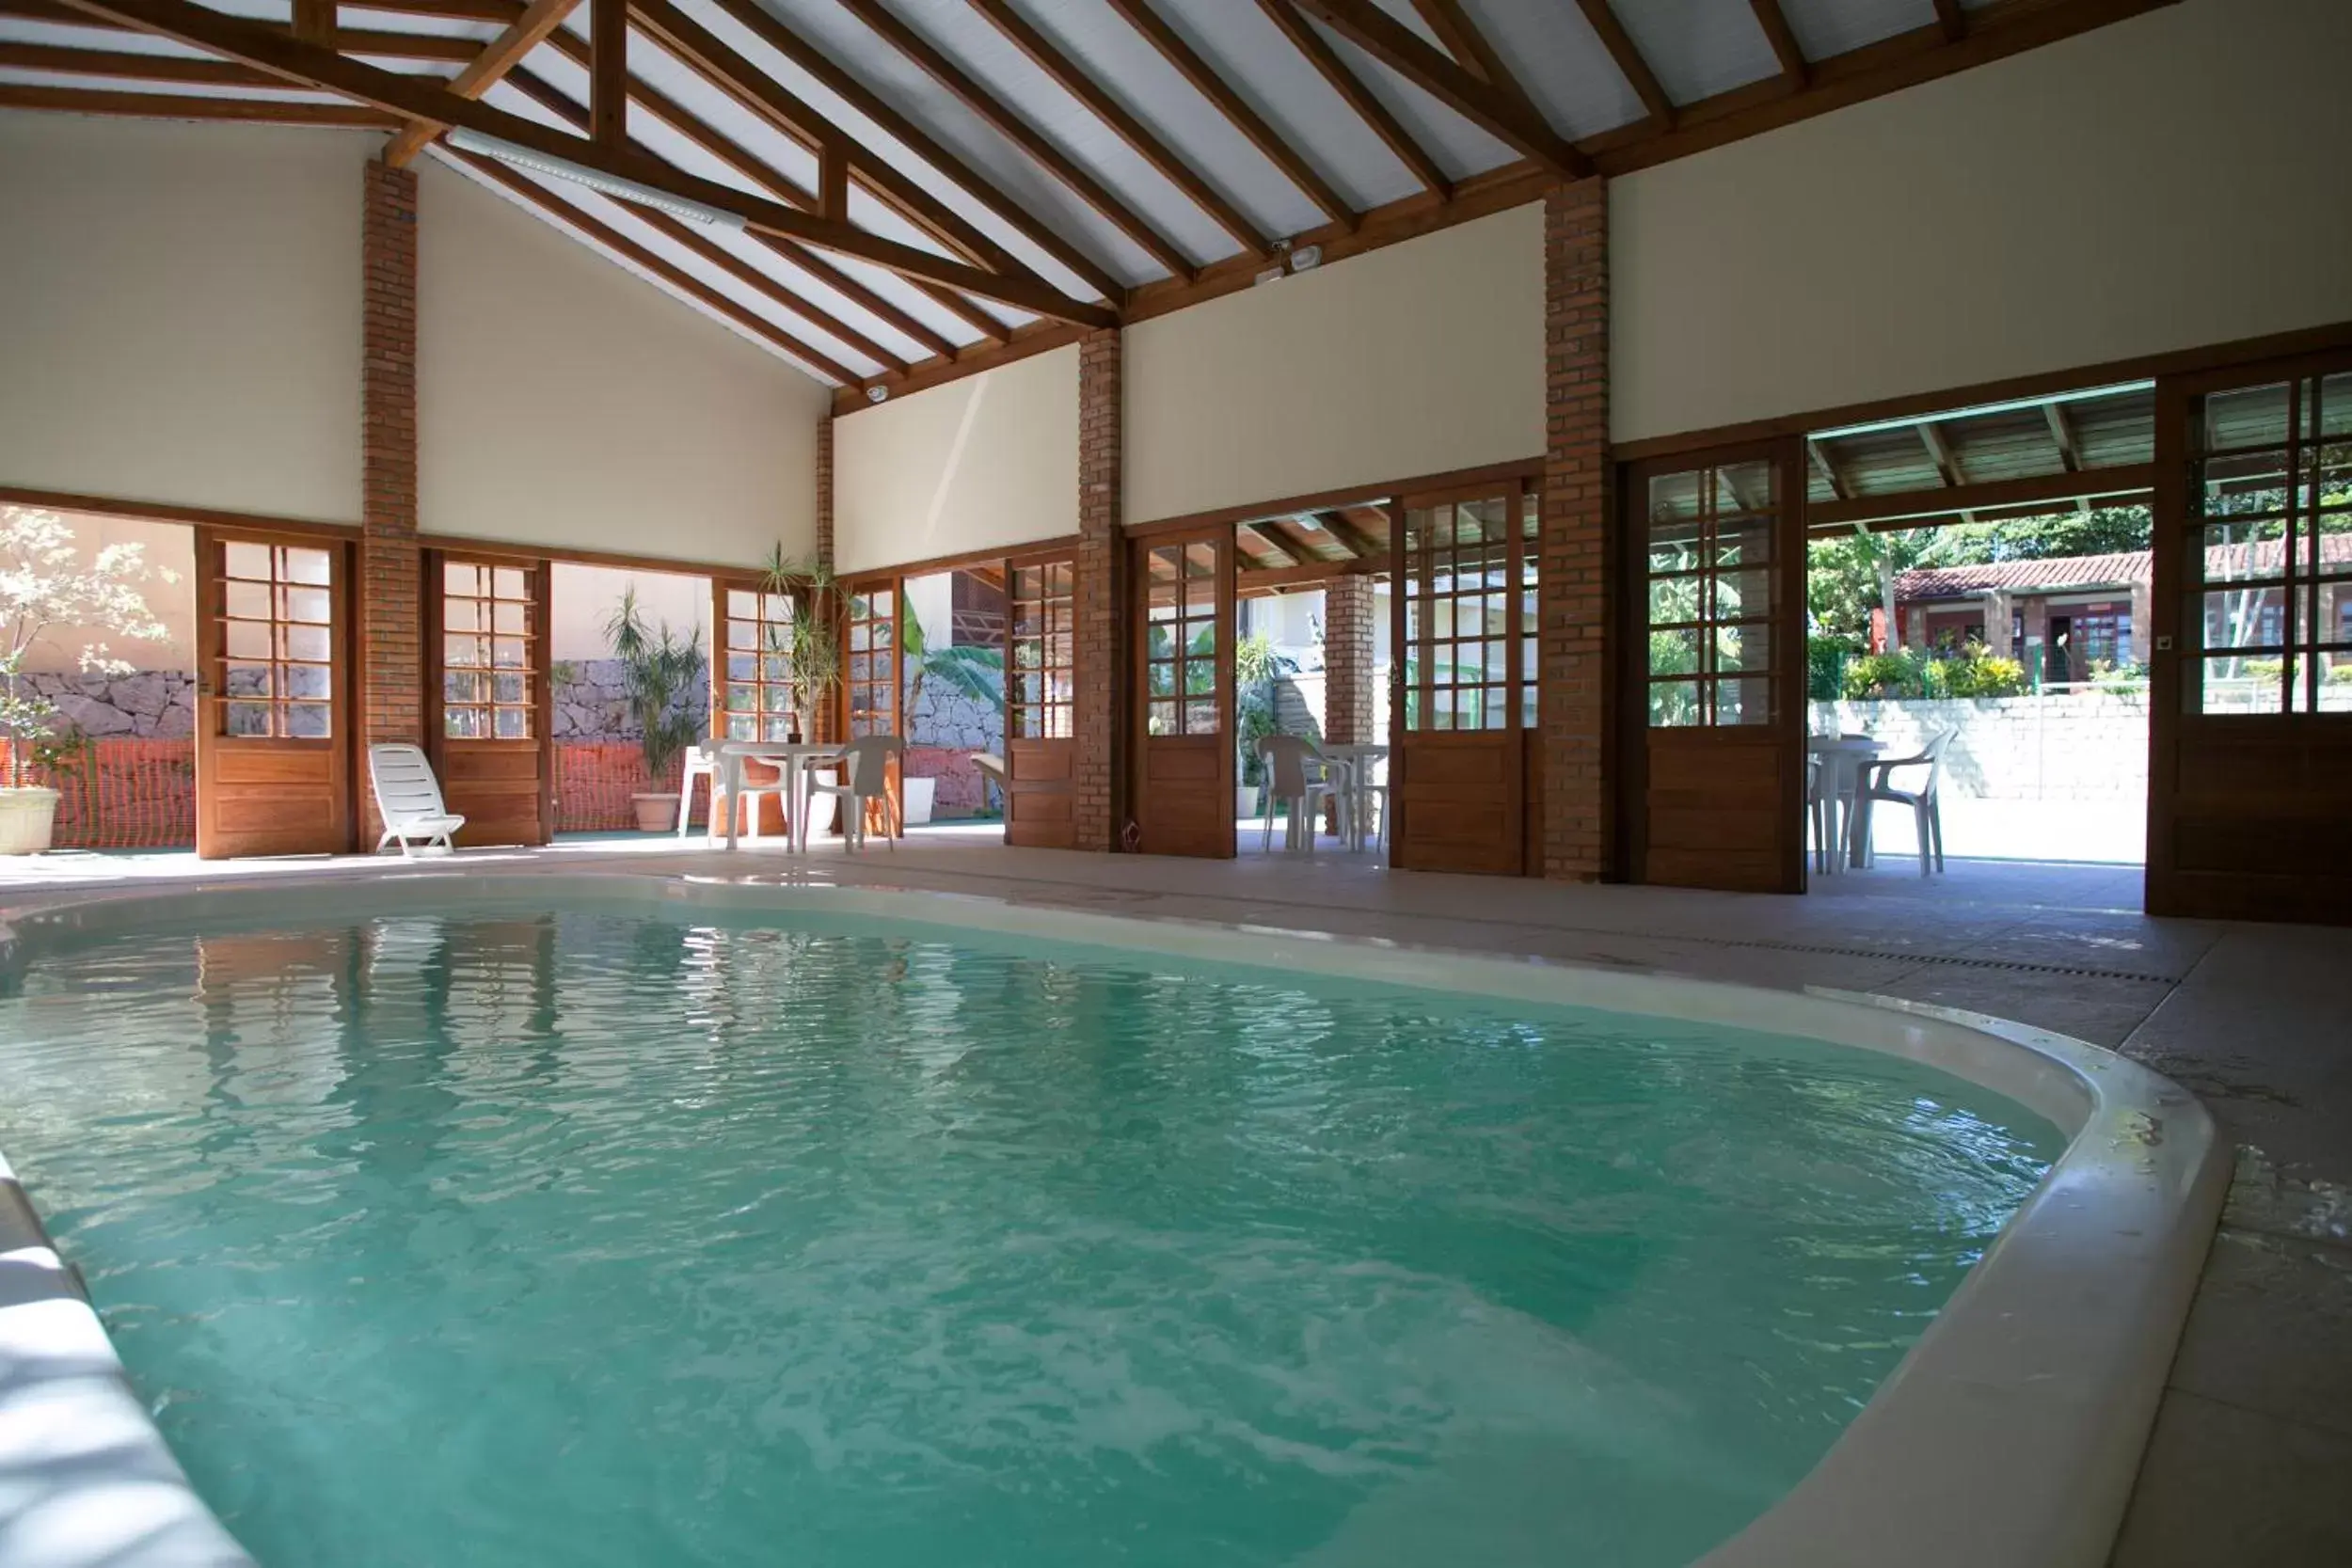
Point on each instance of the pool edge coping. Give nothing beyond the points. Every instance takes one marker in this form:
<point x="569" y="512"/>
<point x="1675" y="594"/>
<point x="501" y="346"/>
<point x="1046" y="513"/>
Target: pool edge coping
<point x="2012" y="1431"/>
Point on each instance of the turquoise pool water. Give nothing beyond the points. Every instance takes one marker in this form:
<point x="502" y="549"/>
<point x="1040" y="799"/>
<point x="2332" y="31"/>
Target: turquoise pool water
<point x="605" y="1238"/>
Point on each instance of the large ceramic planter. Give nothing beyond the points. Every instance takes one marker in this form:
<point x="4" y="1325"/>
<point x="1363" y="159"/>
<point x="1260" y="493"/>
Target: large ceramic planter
<point x="655" y="814"/>
<point x="26" y="817"/>
<point x="920" y="793"/>
<point x="1245" y="801"/>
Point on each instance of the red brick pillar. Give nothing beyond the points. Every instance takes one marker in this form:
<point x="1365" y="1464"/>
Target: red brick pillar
<point x="1100" y="802"/>
<point x="392" y="705"/>
<point x="1577" y="521"/>
<point x="826" y="719"/>
<point x="1347" y="656"/>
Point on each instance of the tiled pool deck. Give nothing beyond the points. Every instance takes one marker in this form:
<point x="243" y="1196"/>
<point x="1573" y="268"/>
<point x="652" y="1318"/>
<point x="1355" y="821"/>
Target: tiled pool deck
<point x="2254" y="1440"/>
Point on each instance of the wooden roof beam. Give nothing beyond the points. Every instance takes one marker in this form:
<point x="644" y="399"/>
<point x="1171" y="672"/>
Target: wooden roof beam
<point x="1460" y="37"/>
<point x="764" y="27"/>
<point x="1041" y="53"/>
<point x="314" y="21"/>
<point x="1236" y="110"/>
<point x="127" y="67"/>
<point x="677" y="278"/>
<point x="1357" y="97"/>
<point x="667" y="109"/>
<point x="1795" y="68"/>
<point x="1818" y="457"/>
<point x="1630" y="64"/>
<point x="1485" y="105"/>
<point x="572" y="114"/>
<point x="270" y="48"/>
<point x="2062" y="434"/>
<point x="1901" y="509"/>
<point x="1294" y="542"/>
<point x="1940" y="452"/>
<point x="1952" y="18"/>
<point x="608" y="79"/>
<point x="1268" y="554"/>
<point x="185" y="105"/>
<point x="1350" y="537"/>
<point x="499" y="57"/>
<point x="1000" y="118"/>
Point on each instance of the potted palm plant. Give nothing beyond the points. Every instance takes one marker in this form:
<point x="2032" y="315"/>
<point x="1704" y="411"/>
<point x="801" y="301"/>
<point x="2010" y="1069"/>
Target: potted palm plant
<point x="658" y="671"/>
<point x="44" y="583"/>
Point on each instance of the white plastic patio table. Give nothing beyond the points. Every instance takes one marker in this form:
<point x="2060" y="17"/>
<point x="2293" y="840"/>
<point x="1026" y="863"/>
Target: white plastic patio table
<point x="794" y="759"/>
<point x="1851" y="757"/>
<point x="1359" y="756"/>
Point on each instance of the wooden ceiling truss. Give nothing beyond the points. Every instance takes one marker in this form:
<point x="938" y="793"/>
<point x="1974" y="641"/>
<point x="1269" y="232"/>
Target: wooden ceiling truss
<point x="988" y="262"/>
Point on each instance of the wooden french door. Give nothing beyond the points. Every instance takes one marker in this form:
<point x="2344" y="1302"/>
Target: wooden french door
<point x="489" y="717"/>
<point x="1041" y="702"/>
<point x="273" y="727"/>
<point x="752" y="695"/>
<point x="2250" y="695"/>
<point x="872" y="662"/>
<point x="1183" y="790"/>
<point x="1463" y="681"/>
<point x="1712" y="761"/>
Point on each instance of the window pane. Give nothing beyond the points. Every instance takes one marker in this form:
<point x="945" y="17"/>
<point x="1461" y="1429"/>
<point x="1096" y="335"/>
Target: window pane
<point x="508" y="582"/>
<point x="512" y="618"/>
<point x="247" y="639"/>
<point x="507" y="652"/>
<point x="308" y="567"/>
<point x="245" y="719"/>
<point x="461" y="577"/>
<point x="510" y="687"/>
<point x="310" y="721"/>
<point x="513" y="723"/>
<point x="2242" y="685"/>
<point x="315" y="605"/>
<point x="250" y="680"/>
<point x="2244" y="618"/>
<point x="246" y="560"/>
<point x="1201" y="717"/>
<point x="308" y="680"/>
<point x="248" y="601"/>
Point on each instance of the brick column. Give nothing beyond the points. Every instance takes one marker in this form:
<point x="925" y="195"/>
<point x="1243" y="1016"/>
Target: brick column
<point x="1347" y="656"/>
<point x="1101" y="795"/>
<point x="827" y="718"/>
<point x="1578" y="521"/>
<point x="391" y="652"/>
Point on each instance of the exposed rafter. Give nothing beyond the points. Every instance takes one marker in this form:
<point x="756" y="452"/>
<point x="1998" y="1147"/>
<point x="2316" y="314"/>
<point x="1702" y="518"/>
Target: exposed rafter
<point x="2062" y="433"/>
<point x="269" y="49"/>
<point x="1952" y="18"/>
<point x="1795" y="68"/>
<point x="1044" y="53"/>
<point x="1470" y="51"/>
<point x="499" y="57"/>
<point x="866" y="101"/>
<point x="637" y="255"/>
<point x="1630" y="65"/>
<point x="314" y="21"/>
<point x="718" y="257"/>
<point x="1940" y="452"/>
<point x="1236" y="110"/>
<point x="1965" y="501"/>
<point x="176" y="105"/>
<point x="1827" y="469"/>
<point x="1352" y="90"/>
<point x="128" y="66"/>
<point x="1286" y="534"/>
<point x="1488" y="107"/>
<point x="1001" y="117"/>
<point x="607" y="82"/>
<point x="1351" y="538"/>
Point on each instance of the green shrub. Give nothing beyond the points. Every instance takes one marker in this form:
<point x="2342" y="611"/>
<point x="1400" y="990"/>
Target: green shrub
<point x="1971" y="670"/>
<point x="1898" y="674"/>
<point x="1980" y="673"/>
<point x="1825" y="659"/>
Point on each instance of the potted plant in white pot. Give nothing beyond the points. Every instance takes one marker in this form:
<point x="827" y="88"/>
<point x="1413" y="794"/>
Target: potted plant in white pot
<point x="44" y="583"/>
<point x="658" y="670"/>
<point x="810" y="648"/>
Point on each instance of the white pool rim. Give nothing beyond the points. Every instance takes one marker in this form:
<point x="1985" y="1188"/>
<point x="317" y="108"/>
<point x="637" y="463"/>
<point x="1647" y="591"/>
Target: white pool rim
<point x="2009" y="1438"/>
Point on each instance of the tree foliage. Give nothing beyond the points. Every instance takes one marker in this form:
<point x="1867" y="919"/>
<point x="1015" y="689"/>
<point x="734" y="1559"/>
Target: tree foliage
<point x="44" y="584"/>
<point x="1850" y="576"/>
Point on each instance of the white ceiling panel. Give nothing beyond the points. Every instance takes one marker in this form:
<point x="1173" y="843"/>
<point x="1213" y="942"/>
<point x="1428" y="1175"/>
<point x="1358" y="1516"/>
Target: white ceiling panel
<point x="1698" y="48"/>
<point x="166" y="89"/>
<point x="1826" y="27"/>
<point x="51" y="35"/>
<point x="1561" y="62"/>
<point x="1458" y="147"/>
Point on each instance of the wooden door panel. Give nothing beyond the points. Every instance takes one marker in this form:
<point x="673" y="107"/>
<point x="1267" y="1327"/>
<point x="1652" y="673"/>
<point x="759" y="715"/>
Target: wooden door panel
<point x="1462" y="619"/>
<point x="273" y="727"/>
<point x="2250" y="732"/>
<point x="1041" y="702"/>
<point x="488" y="697"/>
<point x="1711" y="711"/>
<point x="1183" y="768"/>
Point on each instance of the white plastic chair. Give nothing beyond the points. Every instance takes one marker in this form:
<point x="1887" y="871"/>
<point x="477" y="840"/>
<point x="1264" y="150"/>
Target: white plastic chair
<point x="1287" y="759"/>
<point x="702" y="761"/>
<point x="865" y="761"/>
<point x="1878" y="785"/>
<point x="746" y="800"/>
<point x="992" y="769"/>
<point x="408" y="798"/>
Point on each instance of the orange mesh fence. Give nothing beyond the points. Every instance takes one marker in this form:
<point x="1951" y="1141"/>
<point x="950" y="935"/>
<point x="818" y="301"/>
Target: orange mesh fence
<point x="595" y="778"/>
<point x="126" y="794"/>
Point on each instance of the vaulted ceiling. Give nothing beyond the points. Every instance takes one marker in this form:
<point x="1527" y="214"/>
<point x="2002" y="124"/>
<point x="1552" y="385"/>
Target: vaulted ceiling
<point x="905" y="189"/>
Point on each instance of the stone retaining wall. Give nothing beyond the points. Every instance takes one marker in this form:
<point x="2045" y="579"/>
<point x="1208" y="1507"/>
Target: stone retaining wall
<point x="160" y="704"/>
<point x="2073" y="746"/>
<point x="592" y="702"/>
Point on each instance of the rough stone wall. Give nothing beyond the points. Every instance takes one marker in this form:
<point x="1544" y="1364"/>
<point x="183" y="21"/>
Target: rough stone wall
<point x="2080" y="746"/>
<point x="156" y="703"/>
<point x="944" y="717"/>
<point x="593" y="705"/>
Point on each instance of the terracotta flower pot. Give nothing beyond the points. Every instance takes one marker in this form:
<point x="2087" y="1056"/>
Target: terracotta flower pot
<point x="655" y="814"/>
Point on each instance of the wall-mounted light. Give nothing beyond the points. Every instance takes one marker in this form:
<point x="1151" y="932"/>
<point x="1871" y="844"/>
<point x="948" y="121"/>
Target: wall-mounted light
<point x="1304" y="257"/>
<point x="876" y="394"/>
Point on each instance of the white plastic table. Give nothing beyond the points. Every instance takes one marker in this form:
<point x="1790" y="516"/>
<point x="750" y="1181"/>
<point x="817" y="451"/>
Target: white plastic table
<point x="1850" y="757"/>
<point x="793" y="759"/>
<point x="1359" y="756"/>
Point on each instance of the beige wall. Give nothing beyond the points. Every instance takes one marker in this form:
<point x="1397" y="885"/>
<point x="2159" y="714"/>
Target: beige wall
<point x="978" y="464"/>
<point x="563" y="402"/>
<point x="179" y="313"/>
<point x="1424" y="357"/>
<point x="2173" y="181"/>
<point x="168" y="548"/>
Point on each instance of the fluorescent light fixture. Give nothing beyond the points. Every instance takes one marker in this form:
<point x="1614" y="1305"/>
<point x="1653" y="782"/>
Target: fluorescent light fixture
<point x="612" y="185"/>
<point x="1305" y="256"/>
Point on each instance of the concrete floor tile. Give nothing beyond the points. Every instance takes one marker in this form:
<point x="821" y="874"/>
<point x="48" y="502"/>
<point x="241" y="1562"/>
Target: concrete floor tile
<point x="2102" y="1011"/>
<point x="2272" y="1330"/>
<point x="2222" y="1487"/>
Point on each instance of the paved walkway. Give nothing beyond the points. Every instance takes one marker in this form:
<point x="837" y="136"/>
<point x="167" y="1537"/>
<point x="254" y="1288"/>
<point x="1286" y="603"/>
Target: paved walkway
<point x="2254" y="1440"/>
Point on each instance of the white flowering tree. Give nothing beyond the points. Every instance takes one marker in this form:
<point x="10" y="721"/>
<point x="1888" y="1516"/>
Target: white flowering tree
<point x="46" y="583"/>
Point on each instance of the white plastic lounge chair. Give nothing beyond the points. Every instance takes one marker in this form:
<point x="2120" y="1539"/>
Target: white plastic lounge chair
<point x="992" y="769"/>
<point x="408" y="798"/>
